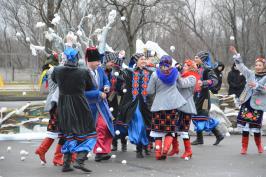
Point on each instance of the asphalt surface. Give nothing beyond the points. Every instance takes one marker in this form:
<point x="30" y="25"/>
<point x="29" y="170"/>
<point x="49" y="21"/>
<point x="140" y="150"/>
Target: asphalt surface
<point x="207" y="161"/>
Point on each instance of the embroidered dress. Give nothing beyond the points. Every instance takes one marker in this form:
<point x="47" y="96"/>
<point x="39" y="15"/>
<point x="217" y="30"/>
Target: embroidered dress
<point x="249" y="115"/>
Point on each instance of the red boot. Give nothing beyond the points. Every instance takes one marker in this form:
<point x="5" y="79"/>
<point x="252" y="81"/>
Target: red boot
<point x="167" y="143"/>
<point x="244" y="145"/>
<point x="188" y="151"/>
<point x="43" y="148"/>
<point x="258" y="143"/>
<point x="74" y="157"/>
<point x="58" y="156"/>
<point x="175" y="147"/>
<point x="158" y="149"/>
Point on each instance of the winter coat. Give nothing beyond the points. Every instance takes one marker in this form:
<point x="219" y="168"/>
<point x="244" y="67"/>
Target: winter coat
<point x="202" y="98"/>
<point x="134" y="97"/>
<point x="252" y="93"/>
<point x="74" y="114"/>
<point x="165" y="96"/>
<point x="99" y="105"/>
<point x="236" y="82"/>
<point x="219" y="74"/>
<point x="186" y="87"/>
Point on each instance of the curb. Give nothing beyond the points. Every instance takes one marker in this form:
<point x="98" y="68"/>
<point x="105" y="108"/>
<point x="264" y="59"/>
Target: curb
<point x="13" y="98"/>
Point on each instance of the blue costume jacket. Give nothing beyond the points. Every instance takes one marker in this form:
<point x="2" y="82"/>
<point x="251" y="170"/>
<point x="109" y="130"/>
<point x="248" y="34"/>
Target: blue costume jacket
<point x="99" y="105"/>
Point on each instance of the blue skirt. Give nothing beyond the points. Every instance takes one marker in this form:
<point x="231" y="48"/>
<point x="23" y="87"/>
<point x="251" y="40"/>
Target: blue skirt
<point x="137" y="129"/>
<point x="75" y="144"/>
<point x="204" y="124"/>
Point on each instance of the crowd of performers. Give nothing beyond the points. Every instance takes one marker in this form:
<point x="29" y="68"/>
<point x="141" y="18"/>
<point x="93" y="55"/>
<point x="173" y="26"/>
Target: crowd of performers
<point x="93" y="106"/>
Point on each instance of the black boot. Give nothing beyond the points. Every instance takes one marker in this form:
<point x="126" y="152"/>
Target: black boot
<point x="67" y="161"/>
<point x="146" y="150"/>
<point x="218" y="135"/>
<point x="79" y="163"/>
<point x="123" y="144"/>
<point x="199" y="139"/>
<point x="114" y="144"/>
<point x="100" y="157"/>
<point x="139" y="152"/>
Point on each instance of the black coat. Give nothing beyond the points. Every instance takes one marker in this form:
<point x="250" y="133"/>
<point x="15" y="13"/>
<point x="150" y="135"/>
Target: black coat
<point x="219" y="75"/>
<point x="236" y="82"/>
<point x="116" y="83"/>
<point x="128" y="105"/>
<point x="74" y="114"/>
<point x="202" y="99"/>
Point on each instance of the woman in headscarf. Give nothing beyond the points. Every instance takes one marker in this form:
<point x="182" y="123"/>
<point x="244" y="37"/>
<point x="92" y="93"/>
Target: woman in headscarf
<point x="252" y="100"/>
<point x="75" y="120"/>
<point x="165" y="105"/>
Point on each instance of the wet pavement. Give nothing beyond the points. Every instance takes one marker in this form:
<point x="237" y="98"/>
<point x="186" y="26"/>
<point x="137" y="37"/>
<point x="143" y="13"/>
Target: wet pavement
<point x="207" y="161"/>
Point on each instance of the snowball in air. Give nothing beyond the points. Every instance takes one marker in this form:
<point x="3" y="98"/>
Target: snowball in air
<point x="111" y="109"/>
<point x="152" y="53"/>
<point x="40" y="24"/>
<point x="8" y="148"/>
<point x="99" y="149"/>
<point x="172" y="48"/>
<point x="116" y="74"/>
<point x="123" y="18"/>
<point x="24" y="93"/>
<point x="22" y="158"/>
<point x="18" y="34"/>
<point x="27" y="39"/>
<point x="124" y="90"/>
<point x="113" y="156"/>
<point x="79" y="33"/>
<point x="56" y="19"/>
<point x="124" y="162"/>
<point x="2" y="158"/>
<point x="117" y="132"/>
<point x="232" y="38"/>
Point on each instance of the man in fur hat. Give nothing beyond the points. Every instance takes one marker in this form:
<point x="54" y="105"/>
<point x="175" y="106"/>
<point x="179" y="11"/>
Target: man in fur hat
<point x="99" y="106"/>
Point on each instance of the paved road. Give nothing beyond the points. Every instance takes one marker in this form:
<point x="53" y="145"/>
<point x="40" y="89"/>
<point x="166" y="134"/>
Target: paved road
<point x="207" y="161"/>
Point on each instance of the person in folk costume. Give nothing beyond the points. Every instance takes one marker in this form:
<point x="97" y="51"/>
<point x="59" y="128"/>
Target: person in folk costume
<point x="75" y="119"/>
<point x="52" y="60"/>
<point x="99" y="106"/>
<point x="219" y="68"/>
<point x="52" y="128"/>
<point x="252" y="100"/>
<point x="113" y="69"/>
<point x="134" y="110"/>
<point x="236" y="81"/>
<point x="165" y="105"/>
<point x="208" y="79"/>
<point x="187" y="85"/>
<point x="151" y="59"/>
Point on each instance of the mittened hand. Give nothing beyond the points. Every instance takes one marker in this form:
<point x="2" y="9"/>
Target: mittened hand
<point x="252" y="84"/>
<point x="103" y="95"/>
